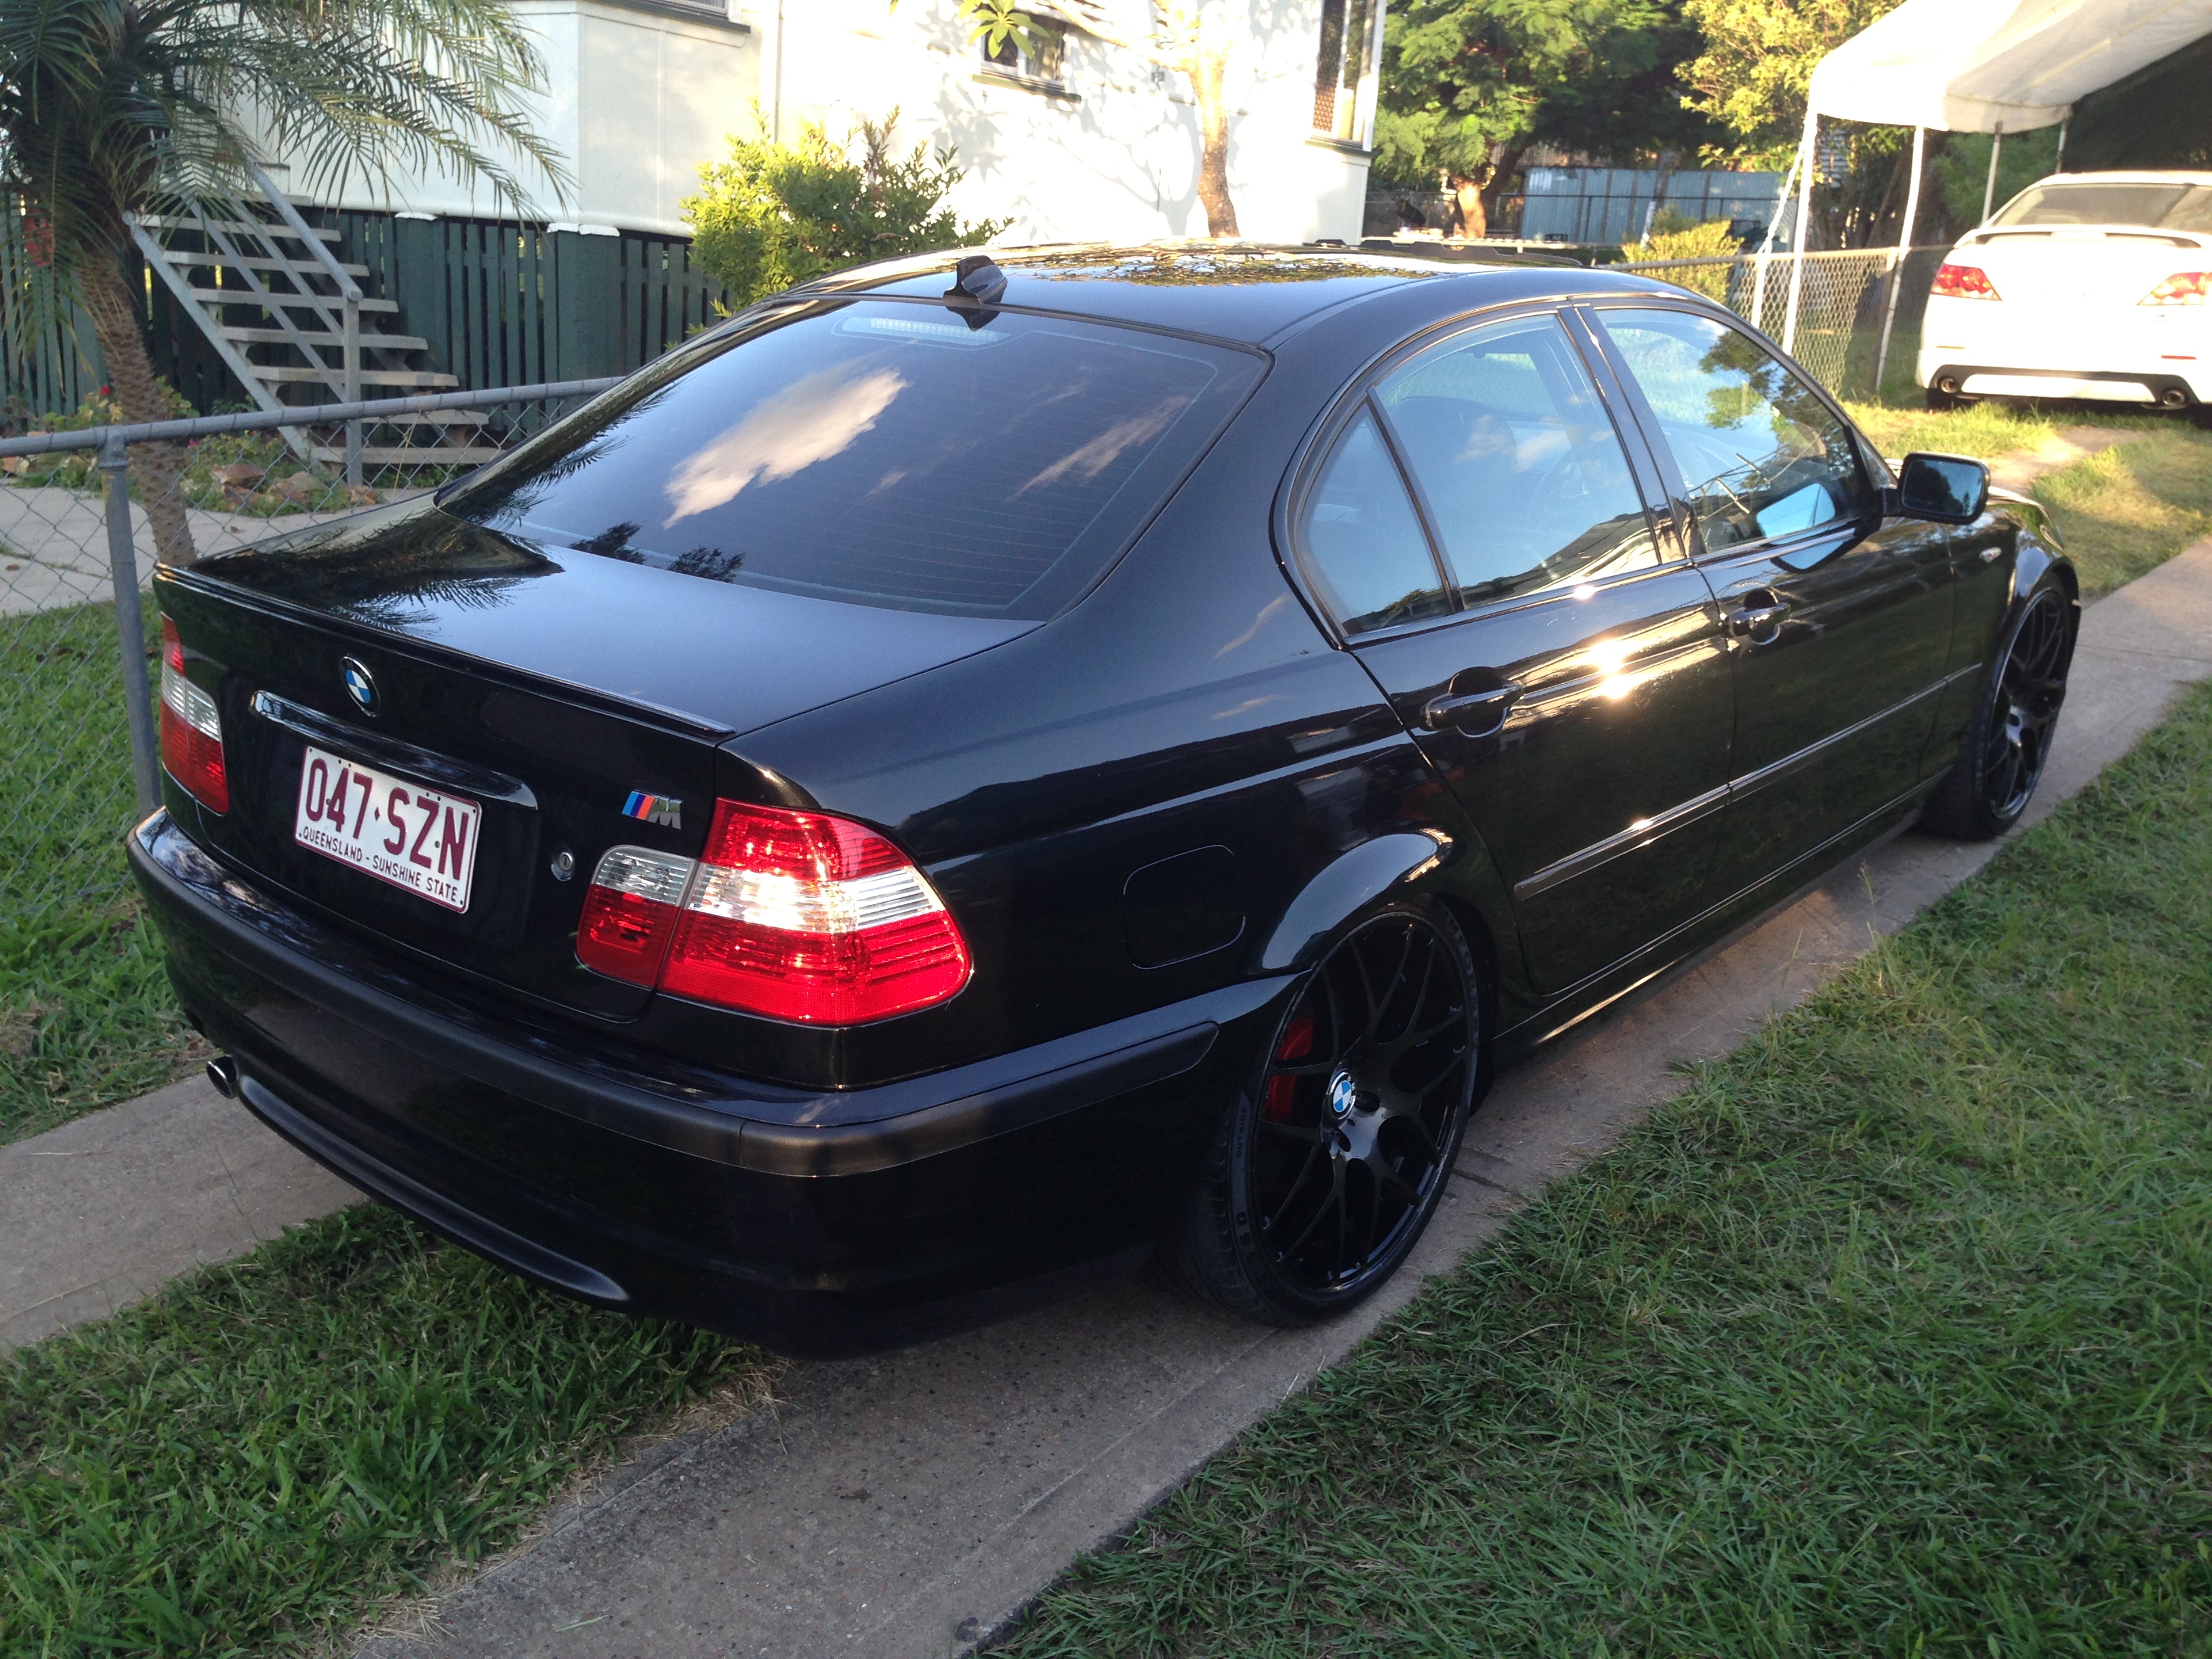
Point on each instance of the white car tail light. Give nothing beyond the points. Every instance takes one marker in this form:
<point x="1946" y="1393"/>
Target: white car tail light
<point x="191" y="730"/>
<point x="2184" y="288"/>
<point x="1964" y="282"/>
<point x="795" y="915"/>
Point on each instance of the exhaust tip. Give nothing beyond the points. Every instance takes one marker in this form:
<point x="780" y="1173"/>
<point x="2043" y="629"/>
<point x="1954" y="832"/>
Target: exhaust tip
<point x="223" y="1076"/>
<point x="2172" y="398"/>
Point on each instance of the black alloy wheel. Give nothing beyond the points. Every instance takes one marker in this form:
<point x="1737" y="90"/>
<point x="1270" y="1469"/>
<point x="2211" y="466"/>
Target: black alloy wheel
<point x="2007" y="743"/>
<point x="1329" y="1167"/>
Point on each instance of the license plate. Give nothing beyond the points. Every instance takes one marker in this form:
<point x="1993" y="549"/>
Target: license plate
<point x="420" y="839"/>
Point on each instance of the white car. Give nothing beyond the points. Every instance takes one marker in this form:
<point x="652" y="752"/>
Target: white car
<point x="2095" y="285"/>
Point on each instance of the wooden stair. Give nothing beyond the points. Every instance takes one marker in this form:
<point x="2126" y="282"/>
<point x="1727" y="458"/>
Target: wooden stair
<point x="276" y="300"/>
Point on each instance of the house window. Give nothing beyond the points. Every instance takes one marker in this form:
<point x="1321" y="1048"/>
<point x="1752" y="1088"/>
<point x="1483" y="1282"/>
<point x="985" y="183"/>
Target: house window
<point x="1345" y="26"/>
<point x="1047" y="59"/>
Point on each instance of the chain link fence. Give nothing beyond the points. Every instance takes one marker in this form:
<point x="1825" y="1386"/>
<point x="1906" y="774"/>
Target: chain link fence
<point x="1830" y="311"/>
<point x="85" y="515"/>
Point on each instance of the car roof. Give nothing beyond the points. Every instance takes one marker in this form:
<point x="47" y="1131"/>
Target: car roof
<point x="2132" y="176"/>
<point x="1241" y="291"/>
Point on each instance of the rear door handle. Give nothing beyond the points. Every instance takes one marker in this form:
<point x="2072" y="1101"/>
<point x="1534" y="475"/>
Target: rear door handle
<point x="1483" y="711"/>
<point x="1756" y="618"/>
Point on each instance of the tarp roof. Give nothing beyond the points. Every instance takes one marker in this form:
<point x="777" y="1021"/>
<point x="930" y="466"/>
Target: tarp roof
<point x="1973" y="65"/>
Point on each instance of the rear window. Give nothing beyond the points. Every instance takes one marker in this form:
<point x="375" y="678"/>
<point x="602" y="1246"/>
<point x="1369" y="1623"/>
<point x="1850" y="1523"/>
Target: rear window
<point x="2157" y="207"/>
<point x="883" y="452"/>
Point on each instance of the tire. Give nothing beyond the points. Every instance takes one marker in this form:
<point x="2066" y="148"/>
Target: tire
<point x="2007" y="740"/>
<point x="1328" y="1166"/>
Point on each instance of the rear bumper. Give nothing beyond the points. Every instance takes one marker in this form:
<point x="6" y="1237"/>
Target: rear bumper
<point x="2152" y="385"/>
<point x="816" y="1223"/>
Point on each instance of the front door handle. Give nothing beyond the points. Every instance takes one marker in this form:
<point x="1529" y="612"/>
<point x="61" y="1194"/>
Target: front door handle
<point x="1481" y="712"/>
<point x="1756" y="618"/>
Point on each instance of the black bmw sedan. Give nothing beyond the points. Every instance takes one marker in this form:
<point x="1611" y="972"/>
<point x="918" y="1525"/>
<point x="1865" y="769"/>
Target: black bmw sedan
<point x="968" y="775"/>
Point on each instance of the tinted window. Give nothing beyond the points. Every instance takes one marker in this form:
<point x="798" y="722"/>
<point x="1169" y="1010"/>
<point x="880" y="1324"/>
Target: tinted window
<point x="1521" y="469"/>
<point x="882" y="452"/>
<point x="1363" y="544"/>
<point x="2161" y="207"/>
<point x="1760" y="452"/>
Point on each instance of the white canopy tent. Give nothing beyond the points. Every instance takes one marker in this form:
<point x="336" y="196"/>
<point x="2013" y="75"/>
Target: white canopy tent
<point x="1994" y="66"/>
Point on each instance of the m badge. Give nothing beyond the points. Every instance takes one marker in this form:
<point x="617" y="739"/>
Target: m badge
<point x="662" y="810"/>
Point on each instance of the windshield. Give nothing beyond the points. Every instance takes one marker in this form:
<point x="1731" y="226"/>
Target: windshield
<point x="883" y="452"/>
<point x="2177" y="206"/>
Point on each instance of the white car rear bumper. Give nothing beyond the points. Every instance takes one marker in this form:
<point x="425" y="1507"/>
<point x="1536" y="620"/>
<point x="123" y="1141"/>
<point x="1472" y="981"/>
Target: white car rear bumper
<point x="1980" y="349"/>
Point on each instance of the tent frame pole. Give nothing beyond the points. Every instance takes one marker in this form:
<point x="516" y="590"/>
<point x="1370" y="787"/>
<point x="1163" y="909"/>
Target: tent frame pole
<point x="1804" y="228"/>
<point x="1990" y="190"/>
<point x="1903" y="249"/>
<point x="2059" y="164"/>
<point x="1766" y="247"/>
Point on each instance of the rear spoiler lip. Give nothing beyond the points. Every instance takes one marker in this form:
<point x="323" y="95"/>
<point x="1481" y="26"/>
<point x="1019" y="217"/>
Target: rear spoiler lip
<point x="678" y="721"/>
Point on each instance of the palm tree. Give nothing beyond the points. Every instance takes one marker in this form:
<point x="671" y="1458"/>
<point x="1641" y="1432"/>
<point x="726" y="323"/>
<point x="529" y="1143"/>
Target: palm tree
<point x="112" y="108"/>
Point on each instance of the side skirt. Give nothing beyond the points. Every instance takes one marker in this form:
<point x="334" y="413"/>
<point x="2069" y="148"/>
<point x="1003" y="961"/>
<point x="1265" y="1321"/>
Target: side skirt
<point x="1694" y="939"/>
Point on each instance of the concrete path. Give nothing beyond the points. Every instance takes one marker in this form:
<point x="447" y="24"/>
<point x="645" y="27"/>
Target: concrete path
<point x="2022" y="467"/>
<point x="53" y="542"/>
<point x="100" y="1211"/>
<point x="909" y="1504"/>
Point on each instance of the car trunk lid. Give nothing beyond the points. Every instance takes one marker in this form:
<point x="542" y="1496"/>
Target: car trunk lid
<point x="579" y="702"/>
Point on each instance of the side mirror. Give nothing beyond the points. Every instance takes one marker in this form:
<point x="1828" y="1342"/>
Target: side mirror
<point x="1943" y="488"/>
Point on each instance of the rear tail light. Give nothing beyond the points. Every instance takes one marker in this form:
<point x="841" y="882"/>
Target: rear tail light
<point x="795" y="915"/>
<point x="2184" y="288"/>
<point x="191" y="730"/>
<point x="1964" y="282"/>
<point x="630" y="911"/>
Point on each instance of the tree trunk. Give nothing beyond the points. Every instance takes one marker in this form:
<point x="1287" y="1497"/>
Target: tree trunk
<point x="156" y="469"/>
<point x="1504" y="164"/>
<point x="1209" y="72"/>
<point x="1473" y="219"/>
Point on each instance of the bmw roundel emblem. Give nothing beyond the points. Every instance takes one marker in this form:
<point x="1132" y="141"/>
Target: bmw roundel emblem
<point x="360" y="684"/>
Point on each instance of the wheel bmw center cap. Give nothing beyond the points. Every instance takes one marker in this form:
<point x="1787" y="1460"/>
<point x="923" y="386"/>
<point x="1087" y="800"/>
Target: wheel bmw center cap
<point x="1341" y="1095"/>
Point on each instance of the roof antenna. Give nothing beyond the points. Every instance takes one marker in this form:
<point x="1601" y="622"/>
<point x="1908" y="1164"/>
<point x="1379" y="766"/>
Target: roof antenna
<point x="977" y="281"/>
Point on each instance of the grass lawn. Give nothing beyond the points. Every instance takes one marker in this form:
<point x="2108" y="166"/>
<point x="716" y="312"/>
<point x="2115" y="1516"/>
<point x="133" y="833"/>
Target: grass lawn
<point x="267" y="1451"/>
<point x="86" y="1016"/>
<point x="1888" y="1335"/>
<point x="2132" y="507"/>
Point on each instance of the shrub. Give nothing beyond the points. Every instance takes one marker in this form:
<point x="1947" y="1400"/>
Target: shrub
<point x="1673" y="237"/>
<point x="774" y="215"/>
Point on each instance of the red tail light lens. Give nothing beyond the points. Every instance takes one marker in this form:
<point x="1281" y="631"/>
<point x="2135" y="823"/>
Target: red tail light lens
<point x="2184" y="288"/>
<point x="630" y="911"/>
<point x="191" y="730"/>
<point x="795" y="915"/>
<point x="1964" y="282"/>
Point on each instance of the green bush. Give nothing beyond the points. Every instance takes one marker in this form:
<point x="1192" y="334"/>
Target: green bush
<point x="775" y="215"/>
<point x="1673" y="237"/>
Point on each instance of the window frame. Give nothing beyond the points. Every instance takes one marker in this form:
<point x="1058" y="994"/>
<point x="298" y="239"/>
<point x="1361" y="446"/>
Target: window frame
<point x="1357" y="395"/>
<point x="1670" y="470"/>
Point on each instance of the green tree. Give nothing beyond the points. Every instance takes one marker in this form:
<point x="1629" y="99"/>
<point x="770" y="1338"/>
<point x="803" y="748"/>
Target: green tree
<point x="1757" y="60"/>
<point x="775" y="215"/>
<point x="110" y="108"/>
<point x="1468" y="86"/>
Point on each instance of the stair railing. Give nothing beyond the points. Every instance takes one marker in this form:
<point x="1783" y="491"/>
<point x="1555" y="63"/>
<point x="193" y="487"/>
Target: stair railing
<point x="348" y="290"/>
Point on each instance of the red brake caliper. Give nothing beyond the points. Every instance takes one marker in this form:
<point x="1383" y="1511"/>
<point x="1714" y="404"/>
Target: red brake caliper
<point x="1298" y="1044"/>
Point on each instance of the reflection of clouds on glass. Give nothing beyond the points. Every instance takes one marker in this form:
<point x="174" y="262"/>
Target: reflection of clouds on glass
<point x="1088" y="460"/>
<point x="810" y="420"/>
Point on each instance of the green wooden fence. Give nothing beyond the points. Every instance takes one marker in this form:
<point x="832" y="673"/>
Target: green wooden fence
<point x="502" y="303"/>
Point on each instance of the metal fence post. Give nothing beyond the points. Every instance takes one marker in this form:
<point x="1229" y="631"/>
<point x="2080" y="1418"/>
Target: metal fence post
<point x="130" y="621"/>
<point x="352" y="382"/>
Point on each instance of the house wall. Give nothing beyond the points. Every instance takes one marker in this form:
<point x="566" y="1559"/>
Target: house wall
<point x="640" y="95"/>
